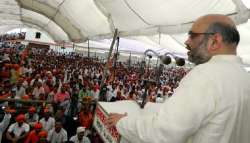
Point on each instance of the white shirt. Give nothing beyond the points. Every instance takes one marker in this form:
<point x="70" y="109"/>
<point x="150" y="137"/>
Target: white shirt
<point x="31" y="121"/>
<point x="48" y="125"/>
<point x="25" y="84"/>
<point x="96" y="94"/>
<point x="18" y="131"/>
<point x="159" y="100"/>
<point x="50" y="96"/>
<point x="55" y="137"/>
<point x="37" y="91"/>
<point x="211" y="105"/>
<point x="111" y="94"/>
<point x="33" y="80"/>
<point x="75" y="139"/>
<point x="20" y="92"/>
<point x="29" y="71"/>
<point x="4" y="124"/>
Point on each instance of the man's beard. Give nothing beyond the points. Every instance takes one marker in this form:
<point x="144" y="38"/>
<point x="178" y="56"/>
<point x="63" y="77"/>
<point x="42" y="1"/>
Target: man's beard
<point x="199" y="55"/>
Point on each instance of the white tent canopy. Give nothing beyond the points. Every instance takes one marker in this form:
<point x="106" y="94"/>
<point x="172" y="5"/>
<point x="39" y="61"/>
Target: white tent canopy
<point x="96" y="19"/>
<point x="79" y="20"/>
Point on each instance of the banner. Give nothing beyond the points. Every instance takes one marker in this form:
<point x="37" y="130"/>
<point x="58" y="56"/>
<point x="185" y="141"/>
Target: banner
<point x="109" y="135"/>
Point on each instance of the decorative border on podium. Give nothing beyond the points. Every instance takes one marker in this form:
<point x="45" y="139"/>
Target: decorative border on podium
<point x="109" y="135"/>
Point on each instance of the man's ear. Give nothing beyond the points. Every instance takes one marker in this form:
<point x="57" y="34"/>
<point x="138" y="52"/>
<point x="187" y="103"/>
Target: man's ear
<point x="215" y="42"/>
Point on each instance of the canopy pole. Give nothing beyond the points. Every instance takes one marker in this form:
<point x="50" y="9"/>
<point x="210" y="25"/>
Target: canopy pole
<point x="108" y="57"/>
<point x="116" y="54"/>
<point x="129" y="61"/>
<point x="88" y="48"/>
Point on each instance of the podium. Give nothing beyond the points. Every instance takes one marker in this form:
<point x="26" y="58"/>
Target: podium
<point x="108" y="135"/>
<point x="111" y="135"/>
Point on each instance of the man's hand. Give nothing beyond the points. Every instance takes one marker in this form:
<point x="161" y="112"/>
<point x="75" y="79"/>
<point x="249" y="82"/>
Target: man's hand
<point x="114" y="118"/>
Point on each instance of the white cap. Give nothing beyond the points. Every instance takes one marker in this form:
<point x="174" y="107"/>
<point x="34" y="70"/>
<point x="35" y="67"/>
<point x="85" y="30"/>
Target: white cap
<point x="6" y="57"/>
<point x="80" y="129"/>
<point x="48" y="72"/>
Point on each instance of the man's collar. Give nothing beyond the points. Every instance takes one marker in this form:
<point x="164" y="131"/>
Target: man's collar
<point x="231" y="58"/>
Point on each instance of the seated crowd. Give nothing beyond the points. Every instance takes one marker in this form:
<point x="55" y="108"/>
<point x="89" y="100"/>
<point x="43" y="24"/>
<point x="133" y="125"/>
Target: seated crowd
<point x="50" y="97"/>
<point x="13" y="36"/>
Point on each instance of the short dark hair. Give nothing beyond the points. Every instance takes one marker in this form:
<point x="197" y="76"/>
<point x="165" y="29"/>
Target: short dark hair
<point x="58" y="120"/>
<point x="229" y="33"/>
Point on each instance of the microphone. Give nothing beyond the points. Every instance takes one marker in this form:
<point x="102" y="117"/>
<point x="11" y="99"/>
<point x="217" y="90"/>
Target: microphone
<point x="149" y="56"/>
<point x="180" y="61"/>
<point x="166" y="59"/>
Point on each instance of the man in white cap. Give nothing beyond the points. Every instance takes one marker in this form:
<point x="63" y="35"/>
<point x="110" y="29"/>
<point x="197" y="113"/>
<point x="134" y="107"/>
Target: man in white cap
<point x="79" y="137"/>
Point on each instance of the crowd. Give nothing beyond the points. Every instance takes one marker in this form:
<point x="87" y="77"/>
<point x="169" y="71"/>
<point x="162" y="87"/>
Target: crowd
<point x="12" y="36"/>
<point x="50" y="97"/>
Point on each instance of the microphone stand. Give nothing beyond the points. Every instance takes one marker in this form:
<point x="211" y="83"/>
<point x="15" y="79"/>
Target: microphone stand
<point x="148" y="82"/>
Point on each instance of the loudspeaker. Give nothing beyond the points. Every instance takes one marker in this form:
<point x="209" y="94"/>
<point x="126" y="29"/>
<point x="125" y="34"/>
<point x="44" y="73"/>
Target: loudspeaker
<point x="38" y="35"/>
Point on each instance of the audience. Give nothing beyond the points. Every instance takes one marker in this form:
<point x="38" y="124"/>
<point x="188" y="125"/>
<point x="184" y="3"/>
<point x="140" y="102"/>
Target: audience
<point x="80" y="136"/>
<point x="47" y="122"/>
<point x="12" y="36"/>
<point x="33" y="136"/>
<point x="18" y="130"/>
<point x="58" y="134"/>
<point x="4" y="124"/>
<point x="31" y="117"/>
<point x="60" y="89"/>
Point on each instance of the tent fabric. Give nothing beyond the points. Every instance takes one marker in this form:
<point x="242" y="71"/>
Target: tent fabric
<point x="13" y="16"/>
<point x="46" y="24"/>
<point x="9" y="15"/>
<point x="137" y="20"/>
<point x="53" y="14"/>
<point x="96" y="19"/>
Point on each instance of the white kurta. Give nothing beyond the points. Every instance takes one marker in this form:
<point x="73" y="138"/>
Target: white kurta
<point x="4" y="124"/>
<point x="55" y="137"/>
<point x="211" y="105"/>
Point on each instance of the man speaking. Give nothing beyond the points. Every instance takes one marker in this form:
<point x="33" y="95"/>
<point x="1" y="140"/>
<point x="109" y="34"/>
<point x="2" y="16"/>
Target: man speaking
<point x="212" y="102"/>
